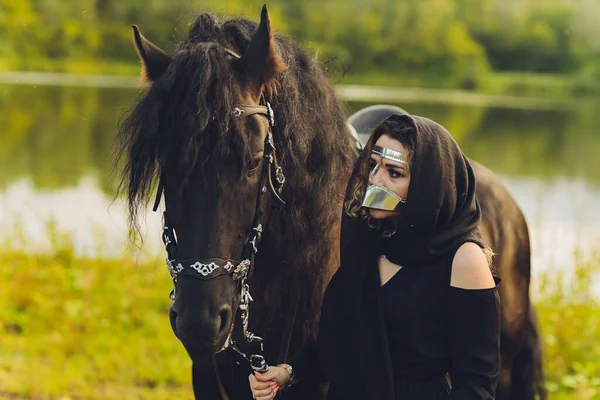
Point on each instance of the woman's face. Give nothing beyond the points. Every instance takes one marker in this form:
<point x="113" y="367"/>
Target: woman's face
<point x="391" y="175"/>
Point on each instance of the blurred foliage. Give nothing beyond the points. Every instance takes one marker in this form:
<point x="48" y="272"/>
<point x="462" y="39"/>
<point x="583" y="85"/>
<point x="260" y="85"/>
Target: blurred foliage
<point x="98" y="329"/>
<point x="434" y="43"/>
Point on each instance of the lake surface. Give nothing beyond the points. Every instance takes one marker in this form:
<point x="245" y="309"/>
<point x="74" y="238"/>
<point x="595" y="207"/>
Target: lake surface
<point x="56" y="154"/>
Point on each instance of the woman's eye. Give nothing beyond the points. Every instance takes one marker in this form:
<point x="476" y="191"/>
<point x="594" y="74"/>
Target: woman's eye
<point x="395" y="174"/>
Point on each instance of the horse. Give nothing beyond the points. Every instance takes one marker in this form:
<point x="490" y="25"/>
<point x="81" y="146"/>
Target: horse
<point x="242" y="133"/>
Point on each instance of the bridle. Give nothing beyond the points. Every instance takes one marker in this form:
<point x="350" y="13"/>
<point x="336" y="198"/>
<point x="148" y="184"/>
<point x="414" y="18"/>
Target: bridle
<point x="238" y="271"/>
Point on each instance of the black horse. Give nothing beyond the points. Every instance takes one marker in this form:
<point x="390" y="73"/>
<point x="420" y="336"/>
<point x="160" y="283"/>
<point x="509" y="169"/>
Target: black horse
<point x="203" y="129"/>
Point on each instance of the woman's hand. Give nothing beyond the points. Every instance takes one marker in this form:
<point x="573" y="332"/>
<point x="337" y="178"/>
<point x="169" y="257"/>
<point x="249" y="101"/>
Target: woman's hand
<point x="265" y="386"/>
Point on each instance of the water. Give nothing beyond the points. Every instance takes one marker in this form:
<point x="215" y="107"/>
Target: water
<point x="56" y="154"/>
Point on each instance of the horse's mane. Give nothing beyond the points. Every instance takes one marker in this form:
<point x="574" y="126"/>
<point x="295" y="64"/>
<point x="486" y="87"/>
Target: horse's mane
<point x="168" y="126"/>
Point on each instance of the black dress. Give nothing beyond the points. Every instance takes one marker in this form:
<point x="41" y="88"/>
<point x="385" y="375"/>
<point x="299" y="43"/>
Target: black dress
<point x="434" y="329"/>
<point x="443" y="341"/>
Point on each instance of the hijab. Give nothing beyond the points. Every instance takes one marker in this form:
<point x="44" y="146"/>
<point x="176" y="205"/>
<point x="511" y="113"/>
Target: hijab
<point x="440" y="214"/>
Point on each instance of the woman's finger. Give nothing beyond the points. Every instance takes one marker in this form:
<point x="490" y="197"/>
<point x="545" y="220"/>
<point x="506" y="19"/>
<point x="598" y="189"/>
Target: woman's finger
<point x="257" y="385"/>
<point x="269" y="396"/>
<point x="266" y="376"/>
<point x="262" y="393"/>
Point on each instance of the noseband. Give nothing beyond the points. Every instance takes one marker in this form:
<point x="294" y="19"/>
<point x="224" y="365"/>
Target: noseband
<point x="237" y="270"/>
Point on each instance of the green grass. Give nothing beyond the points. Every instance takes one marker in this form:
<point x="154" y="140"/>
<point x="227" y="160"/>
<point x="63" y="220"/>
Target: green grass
<point x="90" y="329"/>
<point x="98" y="329"/>
<point x="569" y="316"/>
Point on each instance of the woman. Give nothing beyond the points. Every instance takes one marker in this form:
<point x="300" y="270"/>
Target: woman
<point x="413" y="311"/>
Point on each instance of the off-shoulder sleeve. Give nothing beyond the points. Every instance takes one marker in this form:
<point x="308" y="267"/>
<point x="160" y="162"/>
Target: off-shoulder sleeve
<point x="475" y="335"/>
<point x="307" y="366"/>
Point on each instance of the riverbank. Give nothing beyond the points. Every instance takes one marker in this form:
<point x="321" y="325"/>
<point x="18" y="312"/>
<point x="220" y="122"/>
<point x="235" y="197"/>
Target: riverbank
<point x="522" y="85"/>
<point x="517" y="84"/>
<point x="348" y="92"/>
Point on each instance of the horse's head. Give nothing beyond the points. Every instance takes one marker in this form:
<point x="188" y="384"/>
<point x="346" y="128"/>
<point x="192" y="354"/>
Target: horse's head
<point x="201" y="128"/>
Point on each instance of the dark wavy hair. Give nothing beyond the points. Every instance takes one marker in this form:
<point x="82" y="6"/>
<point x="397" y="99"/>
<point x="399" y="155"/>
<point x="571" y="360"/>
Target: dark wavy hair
<point x="401" y="131"/>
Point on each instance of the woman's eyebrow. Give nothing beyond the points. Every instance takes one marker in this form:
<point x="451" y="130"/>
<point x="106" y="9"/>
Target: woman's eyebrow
<point x="399" y="166"/>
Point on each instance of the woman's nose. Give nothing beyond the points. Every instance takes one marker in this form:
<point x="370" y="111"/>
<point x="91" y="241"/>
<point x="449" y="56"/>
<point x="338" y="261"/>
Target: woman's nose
<point x="377" y="178"/>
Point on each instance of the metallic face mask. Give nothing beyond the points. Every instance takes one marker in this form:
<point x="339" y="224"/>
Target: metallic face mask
<point x="379" y="197"/>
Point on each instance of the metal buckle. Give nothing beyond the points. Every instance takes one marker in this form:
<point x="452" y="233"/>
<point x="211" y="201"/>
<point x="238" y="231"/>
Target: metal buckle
<point x="271" y="114"/>
<point x="258" y="229"/>
<point x="279" y="176"/>
<point x="258" y="363"/>
<point x="271" y="141"/>
<point x="171" y="269"/>
<point x="253" y="243"/>
<point x="237" y="112"/>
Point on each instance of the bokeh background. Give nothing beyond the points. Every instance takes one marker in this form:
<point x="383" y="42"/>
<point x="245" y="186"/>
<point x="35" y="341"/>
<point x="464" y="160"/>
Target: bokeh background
<point x="83" y="310"/>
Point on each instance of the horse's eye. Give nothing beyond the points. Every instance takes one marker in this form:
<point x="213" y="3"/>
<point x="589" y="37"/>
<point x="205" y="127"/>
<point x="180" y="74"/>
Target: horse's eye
<point x="253" y="165"/>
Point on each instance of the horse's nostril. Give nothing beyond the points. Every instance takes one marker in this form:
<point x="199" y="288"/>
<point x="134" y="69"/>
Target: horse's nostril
<point x="225" y="316"/>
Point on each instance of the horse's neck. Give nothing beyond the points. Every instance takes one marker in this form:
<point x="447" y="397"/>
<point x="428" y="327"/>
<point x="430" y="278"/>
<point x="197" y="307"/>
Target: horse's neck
<point x="287" y="306"/>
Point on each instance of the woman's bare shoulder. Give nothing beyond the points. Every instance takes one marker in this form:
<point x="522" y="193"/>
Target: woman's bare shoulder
<point x="470" y="269"/>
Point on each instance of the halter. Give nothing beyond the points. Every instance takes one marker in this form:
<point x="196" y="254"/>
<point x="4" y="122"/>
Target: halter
<point x="238" y="271"/>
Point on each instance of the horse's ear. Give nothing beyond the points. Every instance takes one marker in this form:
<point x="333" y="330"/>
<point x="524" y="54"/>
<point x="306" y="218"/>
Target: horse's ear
<point x="154" y="60"/>
<point x="261" y="62"/>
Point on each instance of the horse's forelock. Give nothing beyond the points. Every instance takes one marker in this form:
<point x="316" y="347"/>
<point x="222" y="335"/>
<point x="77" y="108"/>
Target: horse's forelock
<point x="205" y="28"/>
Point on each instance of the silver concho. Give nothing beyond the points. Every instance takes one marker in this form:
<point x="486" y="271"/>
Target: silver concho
<point x="228" y="266"/>
<point x="204" y="269"/>
<point x="241" y="271"/>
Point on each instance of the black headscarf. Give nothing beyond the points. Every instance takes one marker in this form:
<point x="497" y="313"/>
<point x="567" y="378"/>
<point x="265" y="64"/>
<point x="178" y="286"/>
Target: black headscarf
<point x="441" y="213"/>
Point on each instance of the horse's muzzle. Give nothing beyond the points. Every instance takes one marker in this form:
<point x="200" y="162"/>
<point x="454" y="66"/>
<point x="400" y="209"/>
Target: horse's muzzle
<point x="201" y="330"/>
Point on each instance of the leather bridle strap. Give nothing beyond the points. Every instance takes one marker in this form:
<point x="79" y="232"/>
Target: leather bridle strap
<point x="243" y="110"/>
<point x="159" y="192"/>
<point x="232" y="53"/>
